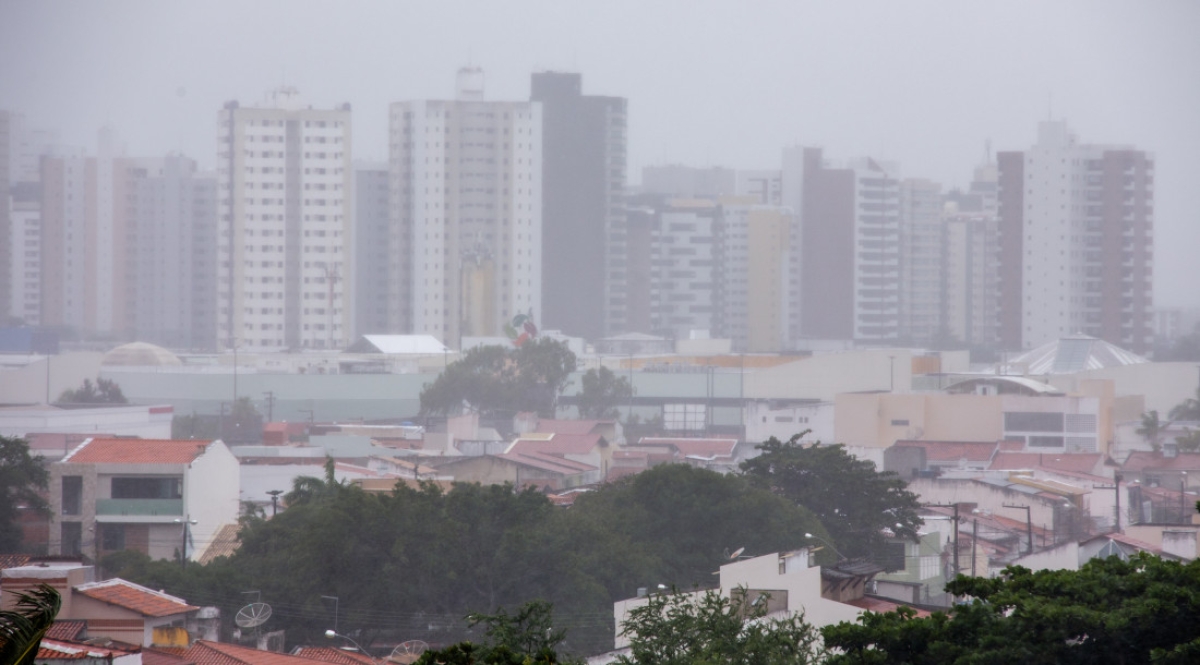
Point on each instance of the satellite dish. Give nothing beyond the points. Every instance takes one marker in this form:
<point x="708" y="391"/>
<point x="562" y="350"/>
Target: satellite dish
<point x="253" y="615"/>
<point x="405" y="650"/>
<point x="736" y="553"/>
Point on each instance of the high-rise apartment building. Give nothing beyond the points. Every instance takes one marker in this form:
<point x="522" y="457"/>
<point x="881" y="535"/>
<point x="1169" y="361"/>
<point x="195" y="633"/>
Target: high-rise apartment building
<point x="375" y="286"/>
<point x="584" y="267"/>
<point x="1076" y="242"/>
<point x="970" y="264"/>
<point x="284" y="176"/>
<point x="172" y="253"/>
<point x="845" y="272"/>
<point x="752" y="262"/>
<point x="466" y="204"/>
<point x="921" y="260"/>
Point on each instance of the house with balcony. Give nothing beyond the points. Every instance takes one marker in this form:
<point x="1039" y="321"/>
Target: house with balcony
<point x="155" y="496"/>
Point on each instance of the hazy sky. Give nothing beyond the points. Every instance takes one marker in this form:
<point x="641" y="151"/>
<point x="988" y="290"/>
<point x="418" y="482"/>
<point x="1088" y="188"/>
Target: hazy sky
<point x="708" y="83"/>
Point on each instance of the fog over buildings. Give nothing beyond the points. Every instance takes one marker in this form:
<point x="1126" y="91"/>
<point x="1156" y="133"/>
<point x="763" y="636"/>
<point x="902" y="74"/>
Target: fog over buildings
<point x="772" y="174"/>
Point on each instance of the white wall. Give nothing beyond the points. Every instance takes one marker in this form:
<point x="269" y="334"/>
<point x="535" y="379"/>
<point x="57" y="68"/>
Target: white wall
<point x="210" y="493"/>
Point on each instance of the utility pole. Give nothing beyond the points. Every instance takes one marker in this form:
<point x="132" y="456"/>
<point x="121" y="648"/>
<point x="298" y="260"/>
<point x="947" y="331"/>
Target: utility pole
<point x="270" y="405"/>
<point x="1028" y="525"/>
<point x="974" y="541"/>
<point x="955" y="507"/>
<point x="1116" y="487"/>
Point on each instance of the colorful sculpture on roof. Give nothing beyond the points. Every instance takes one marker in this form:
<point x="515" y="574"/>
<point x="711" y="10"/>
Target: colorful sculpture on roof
<point x="521" y="329"/>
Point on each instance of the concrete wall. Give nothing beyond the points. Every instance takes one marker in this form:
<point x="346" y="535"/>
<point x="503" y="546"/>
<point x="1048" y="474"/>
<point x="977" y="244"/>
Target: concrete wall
<point x="210" y="494"/>
<point x="1164" y="385"/>
<point x="825" y="375"/>
<point x="27" y="384"/>
<point x="866" y="419"/>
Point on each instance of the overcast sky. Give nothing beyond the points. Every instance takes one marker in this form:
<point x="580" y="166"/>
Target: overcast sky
<point x="709" y="83"/>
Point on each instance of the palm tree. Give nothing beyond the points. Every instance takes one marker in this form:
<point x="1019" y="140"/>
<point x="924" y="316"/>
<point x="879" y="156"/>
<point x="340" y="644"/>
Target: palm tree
<point x="22" y="630"/>
<point x="1188" y="409"/>
<point x="1152" y="429"/>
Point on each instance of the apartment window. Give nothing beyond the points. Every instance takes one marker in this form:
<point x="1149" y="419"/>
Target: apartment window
<point x="147" y="488"/>
<point x="72" y="495"/>
<point x="113" y="537"/>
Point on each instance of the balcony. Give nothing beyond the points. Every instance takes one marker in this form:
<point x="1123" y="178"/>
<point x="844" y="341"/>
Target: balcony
<point x="140" y="507"/>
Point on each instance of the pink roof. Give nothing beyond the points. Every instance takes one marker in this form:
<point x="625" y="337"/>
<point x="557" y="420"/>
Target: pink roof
<point x="872" y="604"/>
<point x="204" y="652"/>
<point x="952" y="451"/>
<point x="1132" y="542"/>
<point x="559" y="444"/>
<point x="66" y="629"/>
<point x="547" y="462"/>
<point x="130" y="596"/>
<point x="1141" y="460"/>
<point x="570" y="426"/>
<point x="57" y="650"/>
<point x="137" y="451"/>
<point x="1072" y="462"/>
<point x="334" y="655"/>
<point x="694" y="447"/>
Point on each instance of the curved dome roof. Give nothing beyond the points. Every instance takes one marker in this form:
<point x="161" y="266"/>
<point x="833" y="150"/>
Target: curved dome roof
<point x="1077" y="353"/>
<point x="140" y="354"/>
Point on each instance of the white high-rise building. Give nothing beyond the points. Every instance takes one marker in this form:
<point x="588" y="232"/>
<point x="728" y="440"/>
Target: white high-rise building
<point x="284" y="225"/>
<point x="466" y="205"/>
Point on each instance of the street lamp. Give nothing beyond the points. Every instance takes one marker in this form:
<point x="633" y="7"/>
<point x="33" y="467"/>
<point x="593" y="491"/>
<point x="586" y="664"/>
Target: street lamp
<point x="330" y="634"/>
<point x="274" y="501"/>
<point x="841" y="557"/>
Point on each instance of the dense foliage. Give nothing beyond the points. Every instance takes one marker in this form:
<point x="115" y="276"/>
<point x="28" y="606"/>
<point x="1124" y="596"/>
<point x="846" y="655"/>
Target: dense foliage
<point x="494" y="379"/>
<point x="705" y="627"/>
<point x="22" y="478"/>
<point x="602" y="393"/>
<point x="853" y="500"/>
<point x="1110" y="611"/>
<point x="525" y="637"/>
<point x="103" y="391"/>
<point x="411" y="563"/>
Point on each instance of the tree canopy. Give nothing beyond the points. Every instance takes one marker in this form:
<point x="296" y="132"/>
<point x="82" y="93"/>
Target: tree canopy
<point x="602" y="393"/>
<point x="1143" y="610"/>
<point x="853" y="500"/>
<point x="706" y="627"/>
<point x="525" y="637"/>
<point x="499" y="379"/>
<point x="103" y="391"/>
<point x="21" y="477"/>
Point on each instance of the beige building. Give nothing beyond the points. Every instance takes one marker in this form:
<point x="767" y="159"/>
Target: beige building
<point x="998" y="407"/>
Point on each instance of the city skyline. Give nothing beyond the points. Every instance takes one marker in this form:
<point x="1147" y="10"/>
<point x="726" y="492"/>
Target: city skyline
<point x="928" y="88"/>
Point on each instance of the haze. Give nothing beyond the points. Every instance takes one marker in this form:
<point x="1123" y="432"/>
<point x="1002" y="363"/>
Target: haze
<point x="926" y="84"/>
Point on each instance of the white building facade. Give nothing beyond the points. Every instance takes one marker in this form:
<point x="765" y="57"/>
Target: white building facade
<point x="466" y="203"/>
<point x="284" y="225"/>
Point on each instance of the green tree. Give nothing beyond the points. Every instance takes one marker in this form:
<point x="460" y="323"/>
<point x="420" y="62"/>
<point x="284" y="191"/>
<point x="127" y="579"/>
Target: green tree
<point x="22" y="629"/>
<point x="705" y="627"/>
<point x="853" y="500"/>
<point x="1188" y="409"/>
<point x="498" y="379"/>
<point x="601" y="393"/>
<point x="1152" y="429"/>
<point x="1142" y="610"/>
<point x="23" y="478"/>
<point x="103" y="391"/>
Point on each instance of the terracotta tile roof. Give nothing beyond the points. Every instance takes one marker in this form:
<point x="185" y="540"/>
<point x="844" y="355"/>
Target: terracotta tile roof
<point x="873" y="604"/>
<point x="1073" y="462"/>
<point x="547" y="462"/>
<point x="165" y="656"/>
<point x="60" y="650"/>
<point x="224" y="543"/>
<point x="66" y="630"/>
<point x="333" y="655"/>
<point x="569" y="426"/>
<point x="203" y="652"/>
<point x="137" y="451"/>
<point x="952" y="451"/>
<point x="13" y="560"/>
<point x="1141" y="460"/>
<point x="558" y="444"/>
<point x="130" y="596"/>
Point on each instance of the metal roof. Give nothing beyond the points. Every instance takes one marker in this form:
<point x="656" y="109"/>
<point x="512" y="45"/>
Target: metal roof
<point x="1075" y="354"/>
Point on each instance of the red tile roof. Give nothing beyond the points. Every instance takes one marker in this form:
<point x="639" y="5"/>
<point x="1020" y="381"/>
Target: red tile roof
<point x="204" y="652"/>
<point x="66" y="630"/>
<point x="952" y="451"/>
<point x="165" y="656"/>
<point x="693" y="447"/>
<point x="137" y="451"/>
<point x="13" y="560"/>
<point x="558" y="444"/>
<point x="1141" y="460"/>
<point x="873" y="604"/>
<point x="334" y="655"/>
<point x="59" y="650"/>
<point x="547" y="462"/>
<point x="1073" y="462"/>
<point x="569" y="426"/>
<point x="130" y="596"/>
